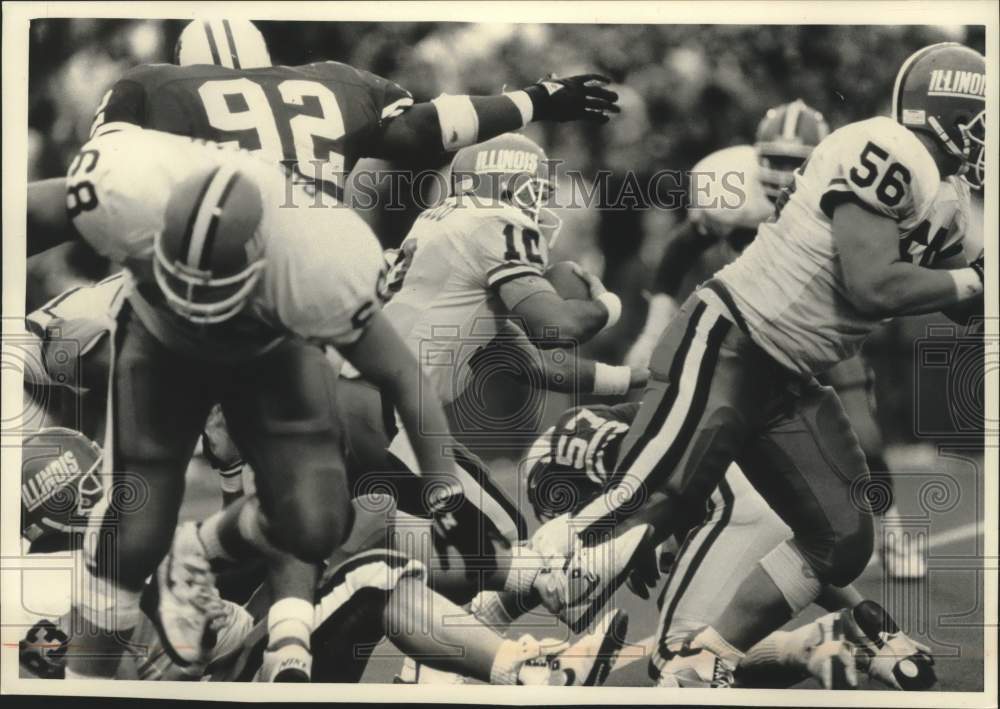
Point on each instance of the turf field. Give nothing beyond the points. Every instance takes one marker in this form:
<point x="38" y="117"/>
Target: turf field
<point x="941" y="496"/>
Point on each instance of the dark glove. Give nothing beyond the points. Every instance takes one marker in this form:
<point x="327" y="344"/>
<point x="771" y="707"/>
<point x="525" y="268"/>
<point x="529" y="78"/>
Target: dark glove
<point x="979" y="265"/>
<point x="574" y="98"/>
<point x="645" y="572"/>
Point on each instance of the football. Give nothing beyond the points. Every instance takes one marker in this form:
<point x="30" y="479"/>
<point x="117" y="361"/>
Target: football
<point x="567" y="283"/>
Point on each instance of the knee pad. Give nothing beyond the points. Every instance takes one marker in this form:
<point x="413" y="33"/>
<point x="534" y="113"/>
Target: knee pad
<point x="793" y="574"/>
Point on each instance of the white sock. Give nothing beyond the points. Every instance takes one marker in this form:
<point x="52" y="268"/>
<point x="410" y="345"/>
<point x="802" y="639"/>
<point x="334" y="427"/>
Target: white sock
<point x="710" y="639"/>
<point x="289" y="621"/>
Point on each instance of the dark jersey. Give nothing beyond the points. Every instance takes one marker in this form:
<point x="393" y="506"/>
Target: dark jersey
<point x="577" y="455"/>
<point x="317" y="119"/>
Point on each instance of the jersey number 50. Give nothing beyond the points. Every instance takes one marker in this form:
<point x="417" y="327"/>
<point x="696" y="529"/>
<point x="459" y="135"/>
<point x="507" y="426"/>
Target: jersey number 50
<point x="234" y="105"/>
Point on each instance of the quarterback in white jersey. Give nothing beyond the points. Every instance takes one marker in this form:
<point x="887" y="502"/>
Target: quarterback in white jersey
<point x="473" y="265"/>
<point x="731" y="377"/>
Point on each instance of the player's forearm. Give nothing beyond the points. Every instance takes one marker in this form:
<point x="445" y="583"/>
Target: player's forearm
<point x="905" y="289"/>
<point x="420" y="410"/>
<point x="566" y="372"/>
<point x="451" y="122"/>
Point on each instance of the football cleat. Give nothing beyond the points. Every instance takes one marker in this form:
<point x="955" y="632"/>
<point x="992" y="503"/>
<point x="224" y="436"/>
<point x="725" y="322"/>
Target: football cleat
<point x="184" y="599"/>
<point x="885" y="652"/>
<point x="577" y="590"/>
<point x="289" y="663"/>
<point x="688" y="665"/>
<point x="588" y="661"/>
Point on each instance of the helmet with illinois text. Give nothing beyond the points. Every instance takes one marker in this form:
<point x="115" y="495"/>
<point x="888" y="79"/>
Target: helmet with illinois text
<point x="941" y="91"/>
<point x="206" y="259"/>
<point x="786" y="136"/>
<point x="60" y="484"/>
<point x="510" y="168"/>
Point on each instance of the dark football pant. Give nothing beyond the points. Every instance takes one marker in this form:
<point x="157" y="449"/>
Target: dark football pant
<point x="715" y="397"/>
<point x="281" y="414"/>
<point x="371" y="426"/>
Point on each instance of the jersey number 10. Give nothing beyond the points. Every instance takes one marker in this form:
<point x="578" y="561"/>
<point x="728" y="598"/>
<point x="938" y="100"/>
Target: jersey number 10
<point x="234" y="105"/>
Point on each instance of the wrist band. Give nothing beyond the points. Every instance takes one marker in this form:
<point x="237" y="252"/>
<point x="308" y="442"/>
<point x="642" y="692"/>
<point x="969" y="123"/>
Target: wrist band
<point x="614" y="306"/>
<point x="523" y="102"/>
<point x="610" y="380"/>
<point x="967" y="282"/>
<point x="458" y="120"/>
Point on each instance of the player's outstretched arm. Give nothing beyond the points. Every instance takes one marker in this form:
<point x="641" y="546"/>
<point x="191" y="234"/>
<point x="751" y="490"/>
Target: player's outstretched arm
<point x="382" y="357"/>
<point x="879" y="283"/>
<point x="448" y="123"/>
<point x="969" y="310"/>
<point x="48" y="222"/>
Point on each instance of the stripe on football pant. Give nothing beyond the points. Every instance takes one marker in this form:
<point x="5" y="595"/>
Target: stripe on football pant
<point x="698" y="550"/>
<point x="206" y="214"/>
<point x="668" y="434"/>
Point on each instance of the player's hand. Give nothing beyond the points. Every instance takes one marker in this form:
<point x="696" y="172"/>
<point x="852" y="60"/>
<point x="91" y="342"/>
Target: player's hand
<point x="575" y="98"/>
<point x="597" y="288"/>
<point x="645" y="572"/>
<point x="979" y="265"/>
<point x="638" y="378"/>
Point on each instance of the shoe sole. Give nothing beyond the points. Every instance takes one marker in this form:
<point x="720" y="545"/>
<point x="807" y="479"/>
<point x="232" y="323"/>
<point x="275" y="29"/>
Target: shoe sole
<point x="608" y="652"/>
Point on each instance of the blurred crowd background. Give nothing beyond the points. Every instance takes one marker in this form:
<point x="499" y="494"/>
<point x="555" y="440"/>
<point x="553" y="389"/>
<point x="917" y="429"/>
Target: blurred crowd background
<point x="686" y="90"/>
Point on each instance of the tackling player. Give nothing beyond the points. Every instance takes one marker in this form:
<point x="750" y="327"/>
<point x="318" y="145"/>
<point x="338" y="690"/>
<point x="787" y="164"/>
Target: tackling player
<point x="868" y="233"/>
<point x="317" y="120"/>
<point x="232" y="298"/>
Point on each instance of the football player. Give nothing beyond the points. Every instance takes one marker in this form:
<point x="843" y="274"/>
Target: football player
<point x="469" y="295"/>
<point x="718" y="228"/>
<point x="233" y="298"/>
<point x="367" y="592"/>
<point x="868" y="233"/>
<point x="317" y="120"/>
<point x="569" y="465"/>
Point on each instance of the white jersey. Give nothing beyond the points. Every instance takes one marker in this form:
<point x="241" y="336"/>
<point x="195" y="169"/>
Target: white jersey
<point x="451" y="266"/>
<point x="789" y="283"/>
<point x="324" y="266"/>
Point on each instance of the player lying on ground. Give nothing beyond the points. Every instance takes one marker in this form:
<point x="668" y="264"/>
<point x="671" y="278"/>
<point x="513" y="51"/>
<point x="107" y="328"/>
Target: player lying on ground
<point x="367" y="592"/>
<point x="570" y="465"/>
<point x="720" y="224"/>
<point x="867" y="234"/>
